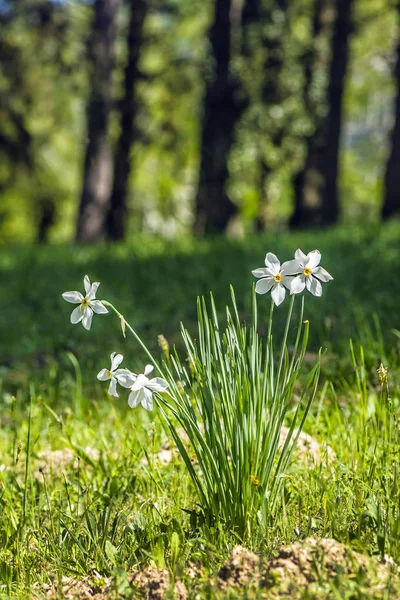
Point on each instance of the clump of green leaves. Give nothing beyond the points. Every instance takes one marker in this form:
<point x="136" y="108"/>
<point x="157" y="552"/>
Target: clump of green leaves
<point x="231" y="401"/>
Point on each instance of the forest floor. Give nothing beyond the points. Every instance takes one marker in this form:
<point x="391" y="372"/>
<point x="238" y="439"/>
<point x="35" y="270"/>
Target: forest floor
<point x="96" y="501"/>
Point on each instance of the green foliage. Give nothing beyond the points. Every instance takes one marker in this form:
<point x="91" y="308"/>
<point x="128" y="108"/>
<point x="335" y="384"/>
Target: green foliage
<point x="155" y="285"/>
<point x="231" y="402"/>
<point x="128" y="501"/>
<point x="45" y="129"/>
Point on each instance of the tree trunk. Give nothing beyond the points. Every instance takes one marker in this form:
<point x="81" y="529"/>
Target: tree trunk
<point x="221" y="113"/>
<point x="98" y="161"/>
<point x="307" y="182"/>
<point x="391" y="202"/>
<point x="275" y="22"/>
<point x="46" y="213"/>
<point x="116" y="215"/>
<point x="316" y="184"/>
<point x="342" y="30"/>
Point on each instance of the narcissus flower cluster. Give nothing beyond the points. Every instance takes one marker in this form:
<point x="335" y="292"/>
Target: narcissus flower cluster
<point x="304" y="271"/>
<point x="142" y="388"/>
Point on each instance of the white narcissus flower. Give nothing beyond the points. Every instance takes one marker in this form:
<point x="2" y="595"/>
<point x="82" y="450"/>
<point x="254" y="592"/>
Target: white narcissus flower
<point x="114" y="374"/>
<point x="275" y="277"/>
<point x="143" y="388"/>
<point x="311" y="274"/>
<point x="87" y="304"/>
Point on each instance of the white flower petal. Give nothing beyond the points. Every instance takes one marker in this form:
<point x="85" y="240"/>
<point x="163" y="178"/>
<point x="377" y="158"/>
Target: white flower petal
<point x="278" y="294"/>
<point x="103" y="375"/>
<point x="116" y="360"/>
<point x="112" y="388"/>
<point x="135" y="398"/>
<point x="126" y="379"/>
<point x="298" y="284"/>
<point x="322" y="274"/>
<point x="86" y="283"/>
<point x="273" y="263"/>
<point x="73" y="297"/>
<point x="314" y="286"/>
<point x="264" y="285"/>
<point x="91" y="294"/>
<point x="291" y="267"/>
<point x="287" y="281"/>
<point x="148" y="369"/>
<point x="140" y="381"/>
<point x="300" y="256"/>
<point x="157" y="384"/>
<point x="313" y="259"/>
<point x="98" y="307"/>
<point x="77" y="314"/>
<point x="147" y="401"/>
<point x="262" y="272"/>
<point x="87" y="318"/>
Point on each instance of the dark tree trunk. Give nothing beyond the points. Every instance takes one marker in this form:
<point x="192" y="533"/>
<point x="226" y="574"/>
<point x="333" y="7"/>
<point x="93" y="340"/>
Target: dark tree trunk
<point x="46" y="210"/>
<point x="391" y="202"/>
<point x="116" y="215"/>
<point x="275" y="22"/>
<point x="98" y="160"/>
<point x="316" y="184"/>
<point x="342" y="30"/>
<point x="307" y="182"/>
<point x="222" y="111"/>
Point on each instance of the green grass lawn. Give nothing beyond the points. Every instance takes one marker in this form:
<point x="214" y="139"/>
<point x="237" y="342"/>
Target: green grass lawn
<point x="94" y="491"/>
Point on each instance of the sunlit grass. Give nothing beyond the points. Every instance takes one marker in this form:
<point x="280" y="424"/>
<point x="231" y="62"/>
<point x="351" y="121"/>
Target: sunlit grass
<point x="117" y="496"/>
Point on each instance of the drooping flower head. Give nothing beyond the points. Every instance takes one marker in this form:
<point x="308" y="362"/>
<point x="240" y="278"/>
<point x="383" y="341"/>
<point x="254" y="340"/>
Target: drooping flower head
<point x="311" y="273"/>
<point x="115" y="374"/>
<point x="87" y="304"/>
<point x="142" y="388"/>
<point x="275" y="277"/>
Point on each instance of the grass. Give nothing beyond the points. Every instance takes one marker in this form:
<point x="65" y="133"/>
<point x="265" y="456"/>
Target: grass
<point x="117" y="496"/>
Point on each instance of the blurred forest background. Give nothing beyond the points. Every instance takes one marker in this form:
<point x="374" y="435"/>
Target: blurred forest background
<point x="204" y="116"/>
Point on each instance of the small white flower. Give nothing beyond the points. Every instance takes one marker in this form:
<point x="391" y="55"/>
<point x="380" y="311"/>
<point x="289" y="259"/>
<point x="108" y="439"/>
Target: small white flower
<point x="87" y="304"/>
<point x="275" y="277"/>
<point x="143" y="388"/>
<point x="311" y="274"/>
<point x="114" y="374"/>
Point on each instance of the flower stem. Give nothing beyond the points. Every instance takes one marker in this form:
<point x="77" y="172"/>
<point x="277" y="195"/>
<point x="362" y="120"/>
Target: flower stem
<point x="133" y="332"/>
<point x="285" y="335"/>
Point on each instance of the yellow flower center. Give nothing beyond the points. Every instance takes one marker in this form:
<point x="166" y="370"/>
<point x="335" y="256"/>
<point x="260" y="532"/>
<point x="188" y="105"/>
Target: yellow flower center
<point x="278" y="277"/>
<point x="110" y="374"/>
<point x="85" y="302"/>
<point x="307" y="272"/>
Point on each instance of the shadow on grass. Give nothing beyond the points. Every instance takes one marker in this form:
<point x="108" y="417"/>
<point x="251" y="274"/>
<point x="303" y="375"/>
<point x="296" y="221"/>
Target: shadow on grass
<point x="155" y="285"/>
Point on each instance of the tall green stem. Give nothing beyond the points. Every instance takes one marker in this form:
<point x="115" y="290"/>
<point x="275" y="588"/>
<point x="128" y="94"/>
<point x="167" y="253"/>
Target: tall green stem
<point x="124" y="323"/>
<point x="285" y="336"/>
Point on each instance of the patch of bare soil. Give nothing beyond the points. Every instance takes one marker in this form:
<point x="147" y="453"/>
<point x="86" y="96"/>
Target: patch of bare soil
<point x="150" y="584"/>
<point x="53" y="462"/>
<point x="88" y="588"/>
<point x="153" y="584"/>
<point x="307" y="447"/>
<point x="302" y="564"/>
<point x="240" y="570"/>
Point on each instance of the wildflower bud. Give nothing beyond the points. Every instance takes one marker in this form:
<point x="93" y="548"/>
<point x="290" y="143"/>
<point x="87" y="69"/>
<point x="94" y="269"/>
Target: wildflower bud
<point x="19" y="450"/>
<point x="383" y="374"/>
<point x="191" y="366"/>
<point x="123" y="325"/>
<point x="163" y="343"/>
